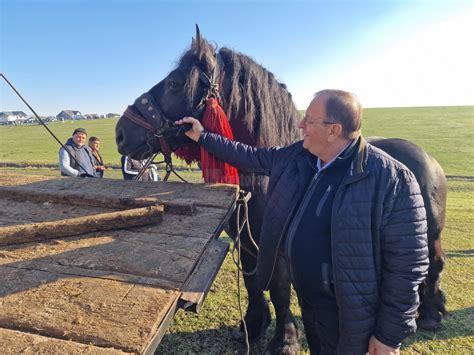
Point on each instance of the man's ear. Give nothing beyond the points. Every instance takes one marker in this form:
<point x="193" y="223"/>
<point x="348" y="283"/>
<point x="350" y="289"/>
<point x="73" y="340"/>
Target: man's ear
<point x="335" y="132"/>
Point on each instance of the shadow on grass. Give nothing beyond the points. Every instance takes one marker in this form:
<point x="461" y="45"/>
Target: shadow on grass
<point x="220" y="341"/>
<point x="210" y="341"/>
<point x="458" y="323"/>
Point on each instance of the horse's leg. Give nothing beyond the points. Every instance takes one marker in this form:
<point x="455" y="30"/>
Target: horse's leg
<point x="258" y="317"/>
<point x="285" y="339"/>
<point x="432" y="298"/>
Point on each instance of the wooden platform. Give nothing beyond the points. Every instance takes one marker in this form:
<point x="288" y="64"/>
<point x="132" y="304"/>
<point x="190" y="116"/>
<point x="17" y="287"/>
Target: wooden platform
<point x="105" y="291"/>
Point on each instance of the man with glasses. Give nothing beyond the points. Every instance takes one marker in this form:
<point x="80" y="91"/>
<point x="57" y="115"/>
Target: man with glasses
<point x="350" y="221"/>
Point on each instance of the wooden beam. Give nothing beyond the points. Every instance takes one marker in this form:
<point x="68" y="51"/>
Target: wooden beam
<point x="199" y="282"/>
<point x="74" y="226"/>
<point x="21" y="193"/>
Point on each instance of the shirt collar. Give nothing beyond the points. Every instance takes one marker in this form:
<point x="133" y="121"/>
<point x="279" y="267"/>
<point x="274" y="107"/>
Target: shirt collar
<point x="340" y="155"/>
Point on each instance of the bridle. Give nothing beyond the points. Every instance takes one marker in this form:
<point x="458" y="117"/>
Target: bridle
<point x="163" y="128"/>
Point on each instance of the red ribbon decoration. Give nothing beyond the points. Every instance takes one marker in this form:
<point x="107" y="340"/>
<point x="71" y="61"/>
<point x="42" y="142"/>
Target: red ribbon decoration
<point x="214" y="170"/>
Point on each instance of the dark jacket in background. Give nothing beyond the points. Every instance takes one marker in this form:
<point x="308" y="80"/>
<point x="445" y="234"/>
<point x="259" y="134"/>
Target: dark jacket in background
<point x="378" y="231"/>
<point x="81" y="159"/>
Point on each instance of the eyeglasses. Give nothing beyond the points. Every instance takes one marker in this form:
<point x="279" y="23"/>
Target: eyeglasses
<point x="306" y="121"/>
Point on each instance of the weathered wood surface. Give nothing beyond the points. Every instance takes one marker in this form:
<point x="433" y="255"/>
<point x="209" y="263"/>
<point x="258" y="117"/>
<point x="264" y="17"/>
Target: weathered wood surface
<point x="22" y="233"/>
<point x="87" y="310"/>
<point x="15" y="342"/>
<point x="111" y="289"/>
<point x="77" y="198"/>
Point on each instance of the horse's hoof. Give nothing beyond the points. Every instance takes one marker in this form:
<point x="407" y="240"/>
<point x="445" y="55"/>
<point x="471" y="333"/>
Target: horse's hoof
<point x="254" y="330"/>
<point x="257" y="321"/>
<point x="427" y="324"/>
<point x="285" y="340"/>
<point x="285" y="347"/>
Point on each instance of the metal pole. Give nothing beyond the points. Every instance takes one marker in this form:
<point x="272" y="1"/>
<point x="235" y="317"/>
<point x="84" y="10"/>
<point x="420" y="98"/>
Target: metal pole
<point x="39" y="119"/>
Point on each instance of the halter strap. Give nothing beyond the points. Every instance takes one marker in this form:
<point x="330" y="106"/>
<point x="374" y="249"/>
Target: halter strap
<point x="149" y="110"/>
<point x="137" y="119"/>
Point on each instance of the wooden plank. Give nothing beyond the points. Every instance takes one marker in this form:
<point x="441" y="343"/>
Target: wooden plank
<point x="116" y="288"/>
<point x="80" y="198"/>
<point x="75" y="226"/>
<point x="150" y="348"/>
<point x="166" y="253"/>
<point x="130" y="277"/>
<point x="16" y="342"/>
<point x="198" y="284"/>
<point x="22" y="212"/>
<point x="160" y="260"/>
<point x="213" y="195"/>
<point x="93" y="311"/>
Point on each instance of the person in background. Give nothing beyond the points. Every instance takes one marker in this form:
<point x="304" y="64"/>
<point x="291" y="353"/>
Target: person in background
<point x="350" y="221"/>
<point x="94" y="145"/>
<point x="75" y="158"/>
<point x="132" y="167"/>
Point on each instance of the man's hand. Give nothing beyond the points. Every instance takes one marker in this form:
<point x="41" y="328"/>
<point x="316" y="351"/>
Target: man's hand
<point x="195" y="131"/>
<point x="378" y="348"/>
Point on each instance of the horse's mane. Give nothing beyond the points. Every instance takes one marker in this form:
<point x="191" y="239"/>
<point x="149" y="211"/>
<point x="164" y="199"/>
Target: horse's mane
<point x="260" y="101"/>
<point x="251" y="94"/>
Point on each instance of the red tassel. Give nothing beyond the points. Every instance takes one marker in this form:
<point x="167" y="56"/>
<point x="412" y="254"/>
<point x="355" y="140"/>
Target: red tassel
<point x="190" y="153"/>
<point x="215" y="120"/>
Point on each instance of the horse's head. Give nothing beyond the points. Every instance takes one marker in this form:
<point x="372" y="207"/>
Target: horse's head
<point x="180" y="94"/>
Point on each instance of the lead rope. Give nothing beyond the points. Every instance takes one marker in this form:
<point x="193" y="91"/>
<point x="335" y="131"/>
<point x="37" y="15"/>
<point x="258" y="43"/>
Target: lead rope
<point x="242" y="202"/>
<point x="166" y="151"/>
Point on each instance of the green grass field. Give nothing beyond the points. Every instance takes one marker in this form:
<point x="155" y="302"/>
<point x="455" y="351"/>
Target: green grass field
<point x="445" y="132"/>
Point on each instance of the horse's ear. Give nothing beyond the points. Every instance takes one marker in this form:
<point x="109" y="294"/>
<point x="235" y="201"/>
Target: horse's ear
<point x="198" y="37"/>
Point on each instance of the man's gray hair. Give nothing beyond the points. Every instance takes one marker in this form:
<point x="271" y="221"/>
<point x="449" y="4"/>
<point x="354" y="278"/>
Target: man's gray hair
<point x="343" y="107"/>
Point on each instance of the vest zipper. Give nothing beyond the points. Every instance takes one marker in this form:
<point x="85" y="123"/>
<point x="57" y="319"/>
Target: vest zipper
<point x="283" y="232"/>
<point x="291" y="232"/>
<point x="323" y="200"/>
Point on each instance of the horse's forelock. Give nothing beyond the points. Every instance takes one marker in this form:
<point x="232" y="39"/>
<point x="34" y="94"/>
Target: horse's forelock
<point x="191" y="87"/>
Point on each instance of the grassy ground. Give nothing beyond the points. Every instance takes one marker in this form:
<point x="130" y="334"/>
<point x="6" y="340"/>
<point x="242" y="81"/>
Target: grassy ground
<point x="445" y="132"/>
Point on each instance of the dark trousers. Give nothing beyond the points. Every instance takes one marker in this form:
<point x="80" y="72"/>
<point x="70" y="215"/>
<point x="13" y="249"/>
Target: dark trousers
<point x="321" y="326"/>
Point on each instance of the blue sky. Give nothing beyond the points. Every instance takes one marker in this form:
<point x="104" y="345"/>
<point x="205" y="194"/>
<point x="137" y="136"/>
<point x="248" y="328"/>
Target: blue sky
<point x="98" y="56"/>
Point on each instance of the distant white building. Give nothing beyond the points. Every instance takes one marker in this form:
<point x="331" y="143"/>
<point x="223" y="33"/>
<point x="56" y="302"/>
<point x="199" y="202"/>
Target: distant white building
<point x="91" y="116"/>
<point x="111" y="115"/>
<point x="69" y="115"/>
<point x="10" y="117"/>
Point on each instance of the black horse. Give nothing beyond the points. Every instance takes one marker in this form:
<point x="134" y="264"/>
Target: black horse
<point x="262" y="114"/>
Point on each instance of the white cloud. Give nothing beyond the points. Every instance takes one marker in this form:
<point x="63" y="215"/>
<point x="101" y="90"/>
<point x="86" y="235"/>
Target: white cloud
<point x="433" y="66"/>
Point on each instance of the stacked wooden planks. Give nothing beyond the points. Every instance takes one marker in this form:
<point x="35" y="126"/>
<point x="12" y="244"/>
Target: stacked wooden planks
<point x="101" y="265"/>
